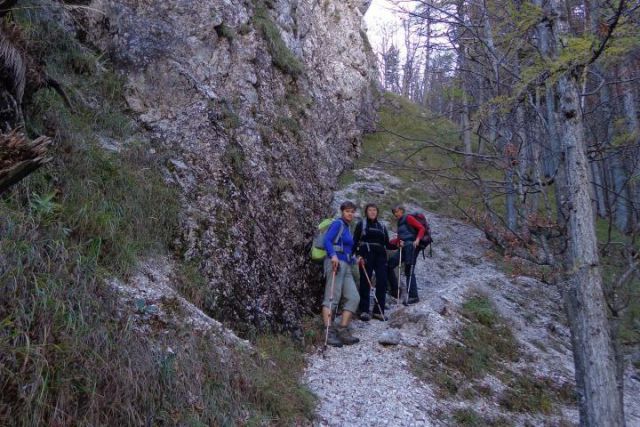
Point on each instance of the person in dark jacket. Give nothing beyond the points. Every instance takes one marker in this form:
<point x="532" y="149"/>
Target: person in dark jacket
<point x="338" y="242"/>
<point x="371" y="242"/>
<point x="410" y="231"/>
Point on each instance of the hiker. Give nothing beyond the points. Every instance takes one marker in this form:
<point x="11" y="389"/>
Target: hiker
<point x="338" y="242"/>
<point x="371" y="242"/>
<point x="410" y="231"/>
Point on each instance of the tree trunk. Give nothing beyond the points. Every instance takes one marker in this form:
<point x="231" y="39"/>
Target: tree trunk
<point x="427" y="60"/>
<point x="633" y="154"/>
<point x="466" y="129"/>
<point x="593" y="352"/>
<point x="556" y="154"/>
<point x="600" y="399"/>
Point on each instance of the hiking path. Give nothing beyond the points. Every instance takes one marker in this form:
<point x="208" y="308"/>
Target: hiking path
<point x="370" y="384"/>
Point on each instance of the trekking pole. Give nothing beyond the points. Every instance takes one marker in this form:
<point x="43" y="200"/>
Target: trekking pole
<point x="409" y="282"/>
<point x="371" y="289"/>
<point x="326" y="335"/>
<point x="399" y="270"/>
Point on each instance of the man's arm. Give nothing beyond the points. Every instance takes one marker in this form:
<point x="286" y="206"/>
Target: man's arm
<point x="417" y="226"/>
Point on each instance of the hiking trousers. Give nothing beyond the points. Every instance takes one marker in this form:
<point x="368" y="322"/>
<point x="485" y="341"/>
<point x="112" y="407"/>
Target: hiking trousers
<point x="375" y="260"/>
<point x="409" y="258"/>
<point x="344" y="288"/>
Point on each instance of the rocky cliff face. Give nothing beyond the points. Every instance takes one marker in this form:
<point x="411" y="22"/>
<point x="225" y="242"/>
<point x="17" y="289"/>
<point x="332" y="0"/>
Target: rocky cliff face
<point x="259" y="105"/>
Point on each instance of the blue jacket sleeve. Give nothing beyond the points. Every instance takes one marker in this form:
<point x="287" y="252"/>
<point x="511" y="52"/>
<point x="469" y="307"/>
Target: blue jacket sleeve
<point x="330" y="236"/>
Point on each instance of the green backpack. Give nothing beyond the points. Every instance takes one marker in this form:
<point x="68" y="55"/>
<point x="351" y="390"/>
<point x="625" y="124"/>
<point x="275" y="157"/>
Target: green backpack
<point x="318" y="253"/>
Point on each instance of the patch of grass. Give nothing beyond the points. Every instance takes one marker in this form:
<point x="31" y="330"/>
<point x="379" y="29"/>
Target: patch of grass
<point x="468" y="418"/>
<point x="225" y="31"/>
<point x="410" y="159"/>
<point x="479" y="309"/>
<point x="484" y="343"/>
<point x="244" y="29"/>
<point x="313" y="333"/>
<point x="281" y="55"/>
<point x="192" y="284"/>
<point x="288" y="124"/>
<point x="116" y="205"/>
<point x="282" y="396"/>
<point x="528" y="393"/>
<point x="346" y="178"/>
<point x="234" y="157"/>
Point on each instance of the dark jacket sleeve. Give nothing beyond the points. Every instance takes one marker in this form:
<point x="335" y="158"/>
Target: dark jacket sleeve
<point x="357" y="234"/>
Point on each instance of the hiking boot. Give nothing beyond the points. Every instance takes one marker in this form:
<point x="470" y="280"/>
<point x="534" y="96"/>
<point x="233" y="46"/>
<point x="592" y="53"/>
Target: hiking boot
<point x="365" y="317"/>
<point x="379" y="316"/>
<point x="333" y="339"/>
<point x="345" y="336"/>
<point x="413" y="300"/>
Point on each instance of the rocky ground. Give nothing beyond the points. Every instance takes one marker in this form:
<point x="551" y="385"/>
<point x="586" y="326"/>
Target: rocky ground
<point x="368" y="384"/>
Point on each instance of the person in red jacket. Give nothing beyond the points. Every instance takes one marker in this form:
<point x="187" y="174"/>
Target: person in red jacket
<point x="410" y="231"/>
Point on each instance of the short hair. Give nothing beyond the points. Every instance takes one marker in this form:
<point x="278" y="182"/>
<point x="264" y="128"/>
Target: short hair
<point x="398" y="208"/>
<point x="347" y="205"/>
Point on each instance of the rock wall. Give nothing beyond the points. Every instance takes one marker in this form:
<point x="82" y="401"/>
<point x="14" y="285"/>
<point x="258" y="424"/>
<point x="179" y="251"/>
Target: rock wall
<point x="259" y="105"/>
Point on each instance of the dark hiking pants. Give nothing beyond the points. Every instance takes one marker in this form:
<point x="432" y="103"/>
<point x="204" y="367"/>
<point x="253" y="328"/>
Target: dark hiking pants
<point x="375" y="260"/>
<point x="409" y="258"/>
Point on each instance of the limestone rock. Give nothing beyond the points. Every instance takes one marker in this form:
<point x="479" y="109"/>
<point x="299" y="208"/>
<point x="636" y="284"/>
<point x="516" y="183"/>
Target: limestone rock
<point x="257" y="135"/>
<point x="390" y="337"/>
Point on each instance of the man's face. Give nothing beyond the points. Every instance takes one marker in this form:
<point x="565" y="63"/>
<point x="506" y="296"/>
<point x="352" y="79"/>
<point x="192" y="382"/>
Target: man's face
<point x="398" y="213"/>
<point x="348" y="214"/>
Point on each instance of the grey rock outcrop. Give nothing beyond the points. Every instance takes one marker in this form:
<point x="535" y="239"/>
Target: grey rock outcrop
<point x="262" y="104"/>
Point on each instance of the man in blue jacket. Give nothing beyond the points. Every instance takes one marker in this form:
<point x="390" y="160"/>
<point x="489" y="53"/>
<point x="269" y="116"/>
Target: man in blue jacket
<point x="338" y="242"/>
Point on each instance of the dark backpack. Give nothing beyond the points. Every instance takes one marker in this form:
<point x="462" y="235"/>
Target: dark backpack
<point x="426" y="239"/>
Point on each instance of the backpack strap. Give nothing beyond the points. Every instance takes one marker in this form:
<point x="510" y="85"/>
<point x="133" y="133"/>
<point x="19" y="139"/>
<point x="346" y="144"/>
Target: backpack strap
<point x="339" y="248"/>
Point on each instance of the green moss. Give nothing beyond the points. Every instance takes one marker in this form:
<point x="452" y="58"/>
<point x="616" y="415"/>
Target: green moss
<point x="297" y="103"/>
<point x="244" y="29"/>
<point x="346" y="178"/>
<point x="225" y="31"/>
<point x="281" y="55"/>
<point x="288" y="124"/>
